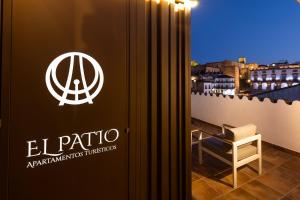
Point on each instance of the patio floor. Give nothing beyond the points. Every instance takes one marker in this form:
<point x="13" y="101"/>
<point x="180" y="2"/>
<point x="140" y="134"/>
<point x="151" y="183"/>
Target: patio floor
<point x="213" y="179"/>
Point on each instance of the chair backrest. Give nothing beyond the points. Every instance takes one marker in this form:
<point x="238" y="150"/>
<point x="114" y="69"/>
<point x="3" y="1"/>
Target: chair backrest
<point x="236" y="134"/>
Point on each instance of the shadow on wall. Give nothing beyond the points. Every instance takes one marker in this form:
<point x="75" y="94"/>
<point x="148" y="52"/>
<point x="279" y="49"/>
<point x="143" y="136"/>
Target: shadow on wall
<point x="277" y="122"/>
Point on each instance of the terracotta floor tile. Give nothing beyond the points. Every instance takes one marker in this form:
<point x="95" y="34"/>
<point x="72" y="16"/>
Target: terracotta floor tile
<point x="266" y="147"/>
<point x="261" y="191"/>
<point x="223" y="182"/>
<point x="195" y="176"/>
<point x="293" y="164"/>
<point x="213" y="179"/>
<point x="219" y="185"/>
<point x="202" y="191"/>
<point x="210" y="167"/>
<point x="238" y="194"/>
<point x="204" y="171"/>
<point x="249" y="171"/>
<point x="213" y="162"/>
<point x="294" y="194"/>
<point x="280" y="179"/>
<point x="266" y="165"/>
<point x="207" y="127"/>
<point x="276" y="156"/>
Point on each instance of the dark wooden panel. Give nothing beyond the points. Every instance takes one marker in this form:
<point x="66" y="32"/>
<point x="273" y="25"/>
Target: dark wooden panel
<point x="143" y="99"/>
<point x="168" y="114"/>
<point x="179" y="103"/>
<point x="41" y="31"/>
<point x="134" y="139"/>
<point x="174" y="134"/>
<point x="187" y="106"/>
<point x="5" y="97"/>
<point x="153" y="61"/>
<point x="164" y="88"/>
<point x="139" y="143"/>
<point x="156" y="47"/>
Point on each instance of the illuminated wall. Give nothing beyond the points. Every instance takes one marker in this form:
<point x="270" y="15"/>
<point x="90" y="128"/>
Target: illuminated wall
<point x="276" y="122"/>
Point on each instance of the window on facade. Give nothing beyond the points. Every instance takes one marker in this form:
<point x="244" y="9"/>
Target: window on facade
<point x="295" y="77"/>
<point x="283" y="76"/>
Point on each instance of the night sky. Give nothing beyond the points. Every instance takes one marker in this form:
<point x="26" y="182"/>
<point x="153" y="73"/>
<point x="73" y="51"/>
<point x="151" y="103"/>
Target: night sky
<point x="264" y="31"/>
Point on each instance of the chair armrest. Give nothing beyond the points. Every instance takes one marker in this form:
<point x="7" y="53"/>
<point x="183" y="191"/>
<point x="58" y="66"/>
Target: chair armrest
<point x="256" y="137"/>
<point x="196" y="133"/>
<point x="217" y="137"/>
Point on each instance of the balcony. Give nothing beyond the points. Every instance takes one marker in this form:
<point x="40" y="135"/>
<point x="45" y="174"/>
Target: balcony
<point x="278" y="125"/>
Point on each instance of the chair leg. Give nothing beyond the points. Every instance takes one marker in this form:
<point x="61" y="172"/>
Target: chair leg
<point x="260" y="156"/>
<point x="200" y="153"/>
<point x="234" y="174"/>
<point x="234" y="165"/>
<point x="260" y="165"/>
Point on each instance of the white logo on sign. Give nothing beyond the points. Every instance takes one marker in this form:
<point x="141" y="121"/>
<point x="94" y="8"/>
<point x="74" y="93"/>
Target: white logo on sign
<point x="96" y="84"/>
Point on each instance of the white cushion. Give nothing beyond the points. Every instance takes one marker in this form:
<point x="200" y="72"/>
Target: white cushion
<point x="242" y="132"/>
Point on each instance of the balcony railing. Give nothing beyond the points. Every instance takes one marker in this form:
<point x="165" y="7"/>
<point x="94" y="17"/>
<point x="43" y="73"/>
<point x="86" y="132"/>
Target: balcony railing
<point x="277" y="122"/>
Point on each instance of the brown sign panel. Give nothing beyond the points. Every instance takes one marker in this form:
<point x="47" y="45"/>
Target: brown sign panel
<point x="61" y="147"/>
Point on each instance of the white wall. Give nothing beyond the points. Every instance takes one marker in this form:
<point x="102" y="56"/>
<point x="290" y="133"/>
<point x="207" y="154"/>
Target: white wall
<point x="279" y="123"/>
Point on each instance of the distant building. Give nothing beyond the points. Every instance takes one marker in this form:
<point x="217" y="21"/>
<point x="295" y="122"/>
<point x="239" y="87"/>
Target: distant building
<point x="242" y="60"/>
<point x="212" y="69"/>
<point x="245" y="69"/>
<point x="276" y="76"/>
<point x="224" y="84"/>
<point x="238" y="70"/>
<point x="226" y="67"/>
<point x="214" y="83"/>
